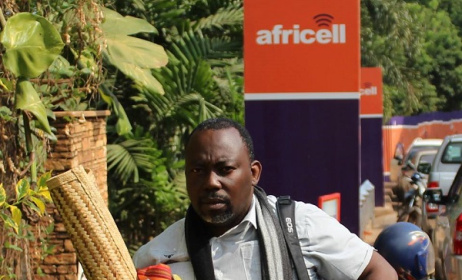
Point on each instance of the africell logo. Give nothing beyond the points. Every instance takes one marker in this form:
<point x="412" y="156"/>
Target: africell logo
<point x="368" y="89"/>
<point x="325" y="34"/>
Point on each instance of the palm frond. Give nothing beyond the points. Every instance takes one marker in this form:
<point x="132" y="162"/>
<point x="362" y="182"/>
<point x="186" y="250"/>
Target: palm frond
<point x="127" y="158"/>
<point x="221" y="20"/>
<point x="194" y="45"/>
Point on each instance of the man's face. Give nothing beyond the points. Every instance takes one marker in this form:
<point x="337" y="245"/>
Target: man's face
<point x="219" y="177"/>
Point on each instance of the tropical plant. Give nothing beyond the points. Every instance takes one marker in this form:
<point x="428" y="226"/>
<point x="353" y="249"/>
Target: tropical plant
<point x="41" y="73"/>
<point x="204" y="76"/>
<point x="31" y="44"/>
<point x="132" y="56"/>
<point x="19" y="216"/>
<point x="141" y="169"/>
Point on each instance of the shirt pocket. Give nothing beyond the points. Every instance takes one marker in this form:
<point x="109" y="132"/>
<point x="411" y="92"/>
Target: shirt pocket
<point x="250" y="253"/>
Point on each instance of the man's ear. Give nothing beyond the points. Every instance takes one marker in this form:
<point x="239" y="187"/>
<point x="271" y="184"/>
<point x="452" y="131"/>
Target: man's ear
<point x="255" y="168"/>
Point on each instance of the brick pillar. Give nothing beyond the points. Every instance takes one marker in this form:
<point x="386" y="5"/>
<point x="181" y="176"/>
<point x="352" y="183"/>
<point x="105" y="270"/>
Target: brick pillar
<point x="81" y="141"/>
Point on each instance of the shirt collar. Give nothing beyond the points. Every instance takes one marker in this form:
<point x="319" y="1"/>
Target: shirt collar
<point x="249" y="221"/>
<point x="251" y="216"/>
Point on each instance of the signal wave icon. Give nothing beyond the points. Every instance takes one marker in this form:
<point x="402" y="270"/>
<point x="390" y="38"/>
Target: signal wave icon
<point x="367" y="84"/>
<point x="323" y="19"/>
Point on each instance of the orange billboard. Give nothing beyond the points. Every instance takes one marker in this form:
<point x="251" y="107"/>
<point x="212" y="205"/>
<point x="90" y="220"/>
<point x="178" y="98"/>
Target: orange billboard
<point x="371" y="91"/>
<point x="293" y="46"/>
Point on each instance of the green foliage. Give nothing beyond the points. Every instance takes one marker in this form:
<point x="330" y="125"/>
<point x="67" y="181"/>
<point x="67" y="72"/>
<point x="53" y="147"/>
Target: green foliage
<point x="418" y="47"/>
<point x="99" y="42"/>
<point x="134" y="57"/>
<point x="115" y="23"/>
<point x="135" y="154"/>
<point x="27" y="100"/>
<point x="42" y="72"/>
<point x="31" y="44"/>
<point x="445" y="47"/>
<point x="16" y="210"/>
<point x="33" y="198"/>
<point x="205" y="60"/>
<point x="143" y="198"/>
<point x="454" y="9"/>
<point x="203" y="78"/>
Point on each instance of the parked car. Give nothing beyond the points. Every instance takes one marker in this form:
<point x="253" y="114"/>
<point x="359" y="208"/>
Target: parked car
<point x="446" y="163"/>
<point x="447" y="233"/>
<point x="444" y="168"/>
<point x="400" y="156"/>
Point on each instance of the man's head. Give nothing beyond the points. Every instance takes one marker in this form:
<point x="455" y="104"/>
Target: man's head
<point x="221" y="173"/>
<point x="223" y="123"/>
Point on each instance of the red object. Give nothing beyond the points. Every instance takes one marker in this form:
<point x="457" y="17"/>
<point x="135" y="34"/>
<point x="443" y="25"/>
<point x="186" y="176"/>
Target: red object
<point x="433" y="185"/>
<point x="155" y="272"/>
<point x="371" y="91"/>
<point x="330" y="203"/>
<point x="457" y="241"/>
<point x="430" y="207"/>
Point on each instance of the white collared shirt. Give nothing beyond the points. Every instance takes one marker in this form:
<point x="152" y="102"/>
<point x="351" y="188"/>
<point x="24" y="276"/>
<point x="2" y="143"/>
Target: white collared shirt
<point x="325" y="243"/>
<point x="235" y="253"/>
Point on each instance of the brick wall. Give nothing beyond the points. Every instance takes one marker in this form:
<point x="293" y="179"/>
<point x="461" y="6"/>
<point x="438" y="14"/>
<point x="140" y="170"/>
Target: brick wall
<point x="81" y="141"/>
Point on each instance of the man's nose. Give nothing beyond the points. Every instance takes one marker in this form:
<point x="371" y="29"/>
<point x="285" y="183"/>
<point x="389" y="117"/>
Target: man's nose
<point x="213" y="180"/>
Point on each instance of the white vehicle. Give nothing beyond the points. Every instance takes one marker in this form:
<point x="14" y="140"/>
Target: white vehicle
<point x="447" y="234"/>
<point x="446" y="163"/>
<point x="400" y="157"/>
<point x="444" y="169"/>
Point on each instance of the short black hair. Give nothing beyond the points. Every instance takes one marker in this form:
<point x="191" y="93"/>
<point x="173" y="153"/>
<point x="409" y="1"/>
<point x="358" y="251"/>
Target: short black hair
<point x="223" y="123"/>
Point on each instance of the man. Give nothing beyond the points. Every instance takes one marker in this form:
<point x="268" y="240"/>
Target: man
<point x="231" y="232"/>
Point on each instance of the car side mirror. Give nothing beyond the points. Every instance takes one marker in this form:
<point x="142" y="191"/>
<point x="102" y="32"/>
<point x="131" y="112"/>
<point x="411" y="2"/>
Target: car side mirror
<point x="434" y="196"/>
<point x="424" y="167"/>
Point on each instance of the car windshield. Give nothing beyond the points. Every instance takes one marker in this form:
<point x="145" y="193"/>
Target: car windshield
<point x="412" y="153"/>
<point x="427" y="158"/>
<point x="452" y="153"/>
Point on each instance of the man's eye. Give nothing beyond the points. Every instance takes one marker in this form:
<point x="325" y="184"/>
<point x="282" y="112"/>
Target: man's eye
<point x="227" y="169"/>
<point x="196" y="170"/>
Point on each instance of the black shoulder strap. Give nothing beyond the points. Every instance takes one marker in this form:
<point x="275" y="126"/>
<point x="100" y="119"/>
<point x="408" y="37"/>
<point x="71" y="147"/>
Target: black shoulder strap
<point x="286" y="213"/>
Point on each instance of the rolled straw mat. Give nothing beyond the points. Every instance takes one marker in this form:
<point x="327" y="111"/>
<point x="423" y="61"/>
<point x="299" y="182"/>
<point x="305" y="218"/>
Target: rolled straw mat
<point x="96" y="238"/>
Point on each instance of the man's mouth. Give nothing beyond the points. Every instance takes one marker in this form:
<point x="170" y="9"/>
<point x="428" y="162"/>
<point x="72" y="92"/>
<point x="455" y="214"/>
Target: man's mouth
<point x="216" y="206"/>
<point x="214" y="203"/>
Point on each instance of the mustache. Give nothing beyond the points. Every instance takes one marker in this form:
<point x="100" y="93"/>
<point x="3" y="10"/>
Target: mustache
<point x="213" y="196"/>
